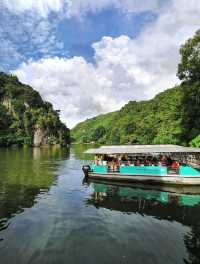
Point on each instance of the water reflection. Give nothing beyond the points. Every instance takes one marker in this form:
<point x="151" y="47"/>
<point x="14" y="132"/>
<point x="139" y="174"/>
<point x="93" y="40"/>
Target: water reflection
<point x="79" y="151"/>
<point x="159" y="204"/>
<point x="48" y="216"/>
<point x="162" y="205"/>
<point x="25" y="173"/>
<point x="192" y="242"/>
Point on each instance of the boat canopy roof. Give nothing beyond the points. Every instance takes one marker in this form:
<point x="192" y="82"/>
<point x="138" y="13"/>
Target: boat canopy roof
<point x="143" y="149"/>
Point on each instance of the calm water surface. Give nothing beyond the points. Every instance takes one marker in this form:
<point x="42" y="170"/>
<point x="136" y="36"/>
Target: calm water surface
<point x="47" y="215"/>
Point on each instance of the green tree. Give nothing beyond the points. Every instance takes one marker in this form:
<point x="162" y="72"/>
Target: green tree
<point x="98" y="133"/>
<point x="189" y="67"/>
<point x="195" y="142"/>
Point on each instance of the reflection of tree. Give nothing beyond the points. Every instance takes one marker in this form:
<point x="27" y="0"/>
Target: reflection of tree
<point x="99" y="196"/>
<point x="25" y="173"/>
<point x="192" y="242"/>
<point x="14" y="200"/>
<point x="79" y="149"/>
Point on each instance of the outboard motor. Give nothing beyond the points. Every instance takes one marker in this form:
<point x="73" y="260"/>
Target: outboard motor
<point x="86" y="169"/>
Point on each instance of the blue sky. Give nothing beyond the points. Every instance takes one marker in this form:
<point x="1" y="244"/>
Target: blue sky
<point x="75" y="34"/>
<point x="90" y="57"/>
<point x="78" y="35"/>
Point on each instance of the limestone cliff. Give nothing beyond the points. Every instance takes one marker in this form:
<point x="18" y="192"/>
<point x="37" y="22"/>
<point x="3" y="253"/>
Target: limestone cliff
<point x="38" y="138"/>
<point x="25" y="118"/>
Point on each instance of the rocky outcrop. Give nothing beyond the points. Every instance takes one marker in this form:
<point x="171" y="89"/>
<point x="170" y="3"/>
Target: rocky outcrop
<point x="39" y="137"/>
<point x="7" y="102"/>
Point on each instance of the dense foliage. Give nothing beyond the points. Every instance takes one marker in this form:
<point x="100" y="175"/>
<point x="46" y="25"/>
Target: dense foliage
<point x="172" y="117"/>
<point x="23" y="112"/>
<point x="189" y="67"/>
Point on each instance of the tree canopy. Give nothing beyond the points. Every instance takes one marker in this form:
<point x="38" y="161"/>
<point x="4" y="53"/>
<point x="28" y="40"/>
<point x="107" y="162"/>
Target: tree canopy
<point x="189" y="67"/>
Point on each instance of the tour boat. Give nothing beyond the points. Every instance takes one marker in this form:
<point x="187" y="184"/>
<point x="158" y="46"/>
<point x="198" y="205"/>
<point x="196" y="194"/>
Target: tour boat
<point x="152" y="164"/>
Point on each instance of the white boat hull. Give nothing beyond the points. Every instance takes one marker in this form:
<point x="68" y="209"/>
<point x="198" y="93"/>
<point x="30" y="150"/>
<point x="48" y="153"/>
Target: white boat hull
<point x="152" y="179"/>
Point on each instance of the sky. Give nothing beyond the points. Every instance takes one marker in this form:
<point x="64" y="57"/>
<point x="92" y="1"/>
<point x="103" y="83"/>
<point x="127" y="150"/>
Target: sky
<point x="89" y="57"/>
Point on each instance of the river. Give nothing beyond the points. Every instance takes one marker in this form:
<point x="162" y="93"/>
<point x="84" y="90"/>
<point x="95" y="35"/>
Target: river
<point x="49" y="215"/>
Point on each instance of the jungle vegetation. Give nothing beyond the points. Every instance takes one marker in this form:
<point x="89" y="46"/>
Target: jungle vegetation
<point x="23" y="112"/>
<point x="172" y="117"/>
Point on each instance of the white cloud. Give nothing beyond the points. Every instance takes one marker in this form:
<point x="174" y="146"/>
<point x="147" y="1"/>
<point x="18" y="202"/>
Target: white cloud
<point x="125" y="69"/>
<point x="79" y="7"/>
<point x="24" y="36"/>
<point x="42" y="7"/>
<point x="72" y="85"/>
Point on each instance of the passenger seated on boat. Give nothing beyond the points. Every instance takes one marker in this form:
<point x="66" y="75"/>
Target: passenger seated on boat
<point x="104" y="162"/>
<point x="150" y="163"/>
<point x="110" y="166"/>
<point x="142" y="163"/>
<point x="100" y="162"/>
<point x="123" y="159"/>
<point x="116" y="165"/>
<point x="113" y="166"/>
<point x="175" y="166"/>
<point x="163" y="161"/>
<point x="138" y="163"/>
<point x="169" y="161"/>
<point x="147" y="162"/>
<point x="154" y="161"/>
<point x="96" y="160"/>
<point x="128" y="162"/>
<point x="118" y="162"/>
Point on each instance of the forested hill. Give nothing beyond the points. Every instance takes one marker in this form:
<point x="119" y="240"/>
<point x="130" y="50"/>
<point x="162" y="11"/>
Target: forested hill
<point x="172" y="117"/>
<point x="25" y="118"/>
